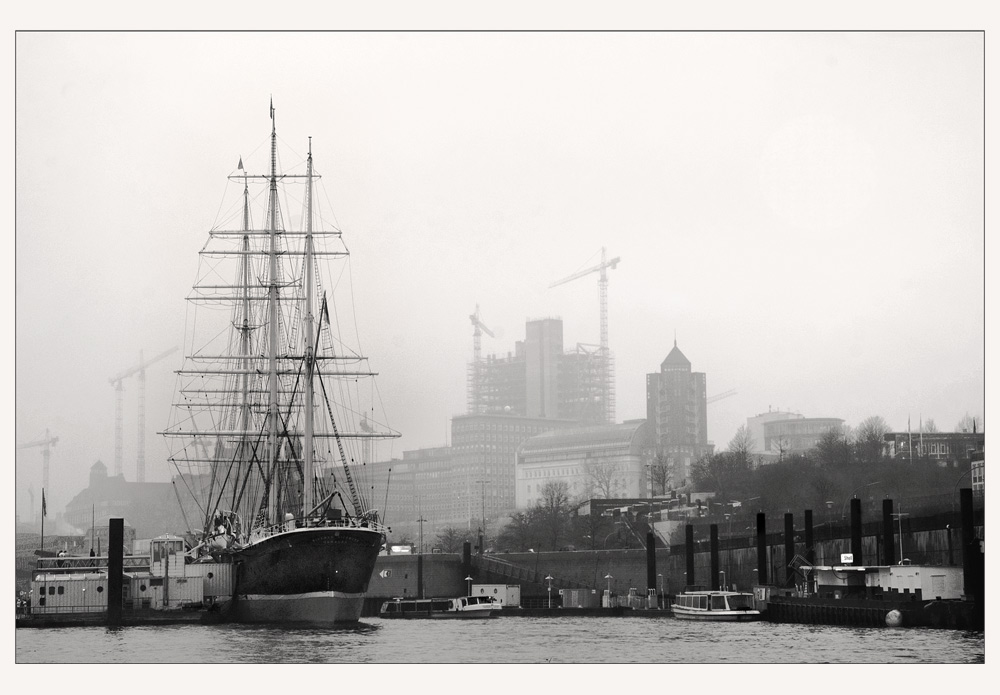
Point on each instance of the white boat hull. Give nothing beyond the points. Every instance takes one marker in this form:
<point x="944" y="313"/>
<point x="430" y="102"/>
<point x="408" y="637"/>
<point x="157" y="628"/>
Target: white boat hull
<point x="318" y="608"/>
<point x="440" y="609"/>
<point x="474" y="614"/>
<point x="715" y="616"/>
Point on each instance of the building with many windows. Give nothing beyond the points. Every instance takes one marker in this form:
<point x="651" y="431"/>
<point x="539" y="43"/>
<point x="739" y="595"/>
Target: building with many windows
<point x="979" y="478"/>
<point x="460" y="485"/>
<point x="485" y="449"/>
<point x="541" y="379"/>
<point x="947" y="448"/>
<point x="797" y="435"/>
<point x="676" y="405"/>
<point x="606" y="461"/>
<point x="755" y="425"/>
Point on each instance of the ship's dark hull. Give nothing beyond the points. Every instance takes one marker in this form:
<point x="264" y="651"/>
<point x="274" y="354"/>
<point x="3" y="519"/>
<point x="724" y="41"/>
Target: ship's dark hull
<point x="309" y="575"/>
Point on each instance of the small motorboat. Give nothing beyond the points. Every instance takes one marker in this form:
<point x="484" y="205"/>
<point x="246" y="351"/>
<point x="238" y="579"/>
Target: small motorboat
<point x="463" y="607"/>
<point x="729" y="606"/>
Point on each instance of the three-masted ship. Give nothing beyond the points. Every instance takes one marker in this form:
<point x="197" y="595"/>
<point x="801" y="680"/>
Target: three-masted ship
<point x="275" y="415"/>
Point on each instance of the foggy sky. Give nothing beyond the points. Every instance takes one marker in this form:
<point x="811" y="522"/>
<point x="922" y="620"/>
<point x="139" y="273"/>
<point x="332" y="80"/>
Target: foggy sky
<point x="803" y="210"/>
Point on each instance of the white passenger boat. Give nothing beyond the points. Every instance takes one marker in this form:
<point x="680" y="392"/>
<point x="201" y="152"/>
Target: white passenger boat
<point x="464" y="607"/>
<point x="715" y="605"/>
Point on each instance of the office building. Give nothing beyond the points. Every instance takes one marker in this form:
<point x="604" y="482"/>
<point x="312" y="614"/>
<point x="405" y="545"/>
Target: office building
<point x="676" y="406"/>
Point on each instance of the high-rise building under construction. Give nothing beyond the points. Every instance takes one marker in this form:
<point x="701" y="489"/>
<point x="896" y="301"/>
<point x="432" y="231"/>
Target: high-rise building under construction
<point x="542" y="380"/>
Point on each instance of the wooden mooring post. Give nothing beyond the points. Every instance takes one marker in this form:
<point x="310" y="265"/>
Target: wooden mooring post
<point x="116" y="541"/>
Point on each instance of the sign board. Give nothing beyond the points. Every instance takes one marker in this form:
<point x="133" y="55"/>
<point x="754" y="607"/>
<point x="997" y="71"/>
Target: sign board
<point x="846" y="558"/>
<point x="385" y="574"/>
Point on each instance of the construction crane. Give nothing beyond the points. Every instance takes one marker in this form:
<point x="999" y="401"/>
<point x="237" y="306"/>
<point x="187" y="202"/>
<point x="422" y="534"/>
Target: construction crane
<point x="477" y="334"/>
<point x="606" y="377"/>
<point x="476" y="373"/>
<point x="45" y="442"/>
<point x="116" y="381"/>
<point x="720" y="396"/>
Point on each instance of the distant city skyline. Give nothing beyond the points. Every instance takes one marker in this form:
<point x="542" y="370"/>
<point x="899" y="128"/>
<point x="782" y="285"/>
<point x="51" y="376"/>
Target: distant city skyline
<point x="803" y="211"/>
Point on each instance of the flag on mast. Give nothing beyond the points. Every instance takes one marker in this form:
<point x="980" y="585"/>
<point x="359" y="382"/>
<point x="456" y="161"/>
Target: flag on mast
<point x="43" y="502"/>
<point x="921" y="434"/>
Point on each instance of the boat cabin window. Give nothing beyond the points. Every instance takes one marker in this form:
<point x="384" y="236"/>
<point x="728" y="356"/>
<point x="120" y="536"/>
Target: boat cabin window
<point x="700" y="602"/>
<point x="740" y="602"/>
<point x="718" y="603"/>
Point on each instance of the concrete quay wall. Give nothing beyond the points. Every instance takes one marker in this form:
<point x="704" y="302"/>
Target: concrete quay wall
<point x="413" y="576"/>
<point x="444" y="574"/>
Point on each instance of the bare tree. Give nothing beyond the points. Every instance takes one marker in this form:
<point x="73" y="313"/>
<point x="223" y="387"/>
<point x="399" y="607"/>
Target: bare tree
<point x="724" y="471"/>
<point x="553" y="510"/>
<point x="833" y="451"/>
<point x="450" y="539"/>
<point x="869" y="439"/>
<point x="970" y="423"/>
<point x="742" y="446"/>
<point x="603" y="477"/>
<point x="781" y="444"/>
<point x="930" y="427"/>
<point x="659" y="474"/>
<point x="520" y="533"/>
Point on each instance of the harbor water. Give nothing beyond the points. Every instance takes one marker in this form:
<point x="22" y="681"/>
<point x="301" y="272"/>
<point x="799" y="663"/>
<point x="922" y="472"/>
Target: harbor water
<point x="509" y="640"/>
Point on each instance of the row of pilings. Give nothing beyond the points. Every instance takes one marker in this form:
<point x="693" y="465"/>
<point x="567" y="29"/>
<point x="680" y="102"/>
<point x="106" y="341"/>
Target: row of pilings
<point x="885" y="553"/>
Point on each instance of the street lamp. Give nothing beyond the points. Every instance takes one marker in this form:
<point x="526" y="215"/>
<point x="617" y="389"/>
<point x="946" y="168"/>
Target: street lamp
<point x="421" y="521"/>
<point x="955" y="489"/>
<point x="549" y="580"/>
<point x="843" y="510"/>
<point x="722" y="580"/>
<point x="483" y="493"/>
<point x="469" y="579"/>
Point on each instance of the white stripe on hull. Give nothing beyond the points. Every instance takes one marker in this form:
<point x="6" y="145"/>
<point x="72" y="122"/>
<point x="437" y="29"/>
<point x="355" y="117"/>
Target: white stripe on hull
<point x="318" y="607"/>
<point x="717" y="616"/>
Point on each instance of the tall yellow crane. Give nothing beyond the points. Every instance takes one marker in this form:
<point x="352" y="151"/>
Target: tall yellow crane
<point x="605" y="362"/>
<point x="475" y="374"/>
<point x="45" y="442"/>
<point x="117" y="381"/>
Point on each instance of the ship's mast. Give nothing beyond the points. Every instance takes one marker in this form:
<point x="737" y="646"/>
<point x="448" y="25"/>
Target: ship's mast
<point x="244" y="329"/>
<point x="272" y="348"/>
<point x="307" y="463"/>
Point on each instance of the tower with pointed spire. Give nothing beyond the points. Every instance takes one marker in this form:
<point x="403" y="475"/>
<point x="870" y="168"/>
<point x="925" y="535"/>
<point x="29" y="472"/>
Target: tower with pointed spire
<point x="676" y="404"/>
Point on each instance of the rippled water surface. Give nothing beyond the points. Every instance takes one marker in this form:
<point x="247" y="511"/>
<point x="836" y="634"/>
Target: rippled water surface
<point x="502" y="640"/>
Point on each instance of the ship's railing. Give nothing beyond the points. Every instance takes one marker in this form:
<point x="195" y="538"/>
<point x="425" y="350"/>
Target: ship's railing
<point x="260" y="533"/>
<point x="138" y="606"/>
<point x="75" y="564"/>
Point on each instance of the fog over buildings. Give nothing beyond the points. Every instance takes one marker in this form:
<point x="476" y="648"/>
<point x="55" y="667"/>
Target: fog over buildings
<point x="802" y="212"/>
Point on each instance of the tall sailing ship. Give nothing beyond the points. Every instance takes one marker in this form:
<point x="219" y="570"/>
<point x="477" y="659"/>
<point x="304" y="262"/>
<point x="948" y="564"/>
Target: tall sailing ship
<point x="275" y="415"/>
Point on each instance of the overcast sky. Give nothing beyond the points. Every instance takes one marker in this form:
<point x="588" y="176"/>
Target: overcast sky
<point x="803" y="210"/>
